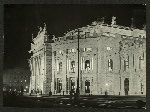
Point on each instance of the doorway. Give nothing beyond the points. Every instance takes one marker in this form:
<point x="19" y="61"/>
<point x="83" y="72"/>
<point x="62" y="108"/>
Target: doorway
<point x="126" y="86"/>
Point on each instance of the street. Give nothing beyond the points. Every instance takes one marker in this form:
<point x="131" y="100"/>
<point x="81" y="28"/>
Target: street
<point x="39" y="101"/>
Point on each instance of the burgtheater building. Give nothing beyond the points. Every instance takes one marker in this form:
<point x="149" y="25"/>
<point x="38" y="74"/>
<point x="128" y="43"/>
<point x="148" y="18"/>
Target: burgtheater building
<point x="111" y="59"/>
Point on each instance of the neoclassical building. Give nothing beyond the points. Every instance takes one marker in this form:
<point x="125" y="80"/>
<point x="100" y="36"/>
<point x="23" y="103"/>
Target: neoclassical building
<point x="112" y="60"/>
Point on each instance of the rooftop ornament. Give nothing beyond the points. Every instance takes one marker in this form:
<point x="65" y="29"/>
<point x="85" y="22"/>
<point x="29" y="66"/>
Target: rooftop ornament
<point x="54" y="38"/>
<point x="113" y="21"/>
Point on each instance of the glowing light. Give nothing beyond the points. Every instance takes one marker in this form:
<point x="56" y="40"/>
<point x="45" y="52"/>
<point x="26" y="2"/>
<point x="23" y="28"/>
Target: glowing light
<point x="26" y="86"/>
<point x="106" y="84"/>
<point x="25" y="80"/>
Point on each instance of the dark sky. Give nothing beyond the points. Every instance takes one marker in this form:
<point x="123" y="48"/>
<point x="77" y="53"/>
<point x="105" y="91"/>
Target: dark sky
<point x="20" y="21"/>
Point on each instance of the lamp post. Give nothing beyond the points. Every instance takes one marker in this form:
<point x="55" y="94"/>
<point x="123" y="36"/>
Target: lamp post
<point x="77" y="95"/>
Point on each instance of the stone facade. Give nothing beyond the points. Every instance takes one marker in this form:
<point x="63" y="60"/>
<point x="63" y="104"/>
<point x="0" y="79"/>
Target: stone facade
<point x="40" y="63"/>
<point x="112" y="60"/>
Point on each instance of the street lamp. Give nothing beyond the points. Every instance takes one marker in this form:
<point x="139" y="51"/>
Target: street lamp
<point x="77" y="95"/>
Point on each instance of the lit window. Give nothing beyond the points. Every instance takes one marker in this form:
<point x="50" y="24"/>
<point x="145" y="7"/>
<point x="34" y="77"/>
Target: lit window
<point x="87" y="65"/>
<point x="73" y="66"/>
<point x="72" y="50"/>
<point x="60" y="52"/>
<point x="109" y="48"/>
<point x="124" y="36"/>
<point x="87" y="49"/>
<point x="112" y="35"/>
<point x="110" y="65"/>
<point x="106" y="34"/>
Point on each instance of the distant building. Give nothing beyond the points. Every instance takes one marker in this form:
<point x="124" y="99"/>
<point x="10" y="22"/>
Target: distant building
<point x="112" y="60"/>
<point x="15" y="79"/>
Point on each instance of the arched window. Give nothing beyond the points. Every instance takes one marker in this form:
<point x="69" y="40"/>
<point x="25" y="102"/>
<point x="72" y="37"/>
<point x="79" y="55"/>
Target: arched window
<point x="110" y="65"/>
<point x="73" y="66"/>
<point x="60" y="67"/>
<point x="87" y="65"/>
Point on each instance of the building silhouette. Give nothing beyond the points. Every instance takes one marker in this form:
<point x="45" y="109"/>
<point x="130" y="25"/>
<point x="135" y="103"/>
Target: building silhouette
<point x="16" y="79"/>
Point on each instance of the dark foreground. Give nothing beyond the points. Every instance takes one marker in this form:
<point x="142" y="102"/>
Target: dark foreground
<point x="38" y="101"/>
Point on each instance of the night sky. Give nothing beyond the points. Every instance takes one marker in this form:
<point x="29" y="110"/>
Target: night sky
<point x="21" y="21"/>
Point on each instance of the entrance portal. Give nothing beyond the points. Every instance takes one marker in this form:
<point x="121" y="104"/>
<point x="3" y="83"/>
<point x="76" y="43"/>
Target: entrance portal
<point x="87" y="86"/>
<point x="72" y="85"/>
<point x="126" y="86"/>
<point x="59" y="85"/>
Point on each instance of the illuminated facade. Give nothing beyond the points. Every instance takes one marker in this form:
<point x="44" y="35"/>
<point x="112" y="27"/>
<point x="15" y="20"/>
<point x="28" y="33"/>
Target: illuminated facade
<point x="112" y="60"/>
<point x="40" y="63"/>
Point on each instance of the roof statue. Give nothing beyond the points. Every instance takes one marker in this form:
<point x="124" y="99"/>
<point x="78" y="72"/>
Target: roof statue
<point x="44" y="29"/>
<point x="32" y="36"/>
<point x="54" y="38"/>
<point x="132" y="23"/>
<point x="113" y="21"/>
<point x="144" y="27"/>
<point x="40" y="28"/>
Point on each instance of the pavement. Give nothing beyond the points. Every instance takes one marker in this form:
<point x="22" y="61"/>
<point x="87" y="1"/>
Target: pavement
<point x="68" y="102"/>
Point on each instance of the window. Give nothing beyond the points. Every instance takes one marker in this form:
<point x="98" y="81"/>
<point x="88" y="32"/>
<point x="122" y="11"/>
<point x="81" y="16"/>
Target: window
<point x="60" y="67"/>
<point x="67" y="50"/>
<point x="141" y="61"/>
<point x="123" y="36"/>
<point x="126" y="63"/>
<point x="54" y="53"/>
<point x="109" y="48"/>
<point x="72" y="50"/>
<point x="106" y="33"/>
<point x="87" y="65"/>
<point x="73" y="66"/>
<point x="112" y="35"/>
<point x="87" y="34"/>
<point x="110" y="65"/>
<point x="59" y="52"/>
<point x="87" y="49"/>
